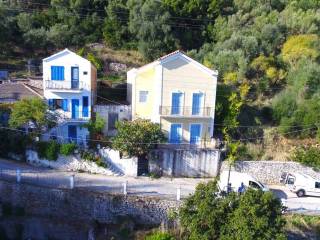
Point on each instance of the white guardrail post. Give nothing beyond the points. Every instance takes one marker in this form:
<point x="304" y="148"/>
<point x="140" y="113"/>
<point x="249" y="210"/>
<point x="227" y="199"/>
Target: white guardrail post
<point x="125" y="188"/>
<point x="179" y="193"/>
<point x="18" y="175"/>
<point x="71" y="181"/>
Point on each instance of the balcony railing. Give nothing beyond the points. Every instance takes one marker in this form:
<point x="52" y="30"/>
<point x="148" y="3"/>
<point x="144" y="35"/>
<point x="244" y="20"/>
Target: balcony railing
<point x="186" y="111"/>
<point x="65" y="85"/>
<point x="62" y="116"/>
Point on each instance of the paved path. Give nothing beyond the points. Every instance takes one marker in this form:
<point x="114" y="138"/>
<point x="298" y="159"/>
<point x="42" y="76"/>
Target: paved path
<point x="163" y="187"/>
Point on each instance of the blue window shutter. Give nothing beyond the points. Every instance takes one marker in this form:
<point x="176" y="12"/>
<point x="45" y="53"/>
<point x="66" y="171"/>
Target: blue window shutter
<point x="195" y="133"/>
<point x="65" y="105"/>
<point x="176" y="103"/>
<point x="196" y="103"/>
<point x="175" y="130"/>
<point x="57" y="73"/>
<point x="50" y="103"/>
<point x="85" y="106"/>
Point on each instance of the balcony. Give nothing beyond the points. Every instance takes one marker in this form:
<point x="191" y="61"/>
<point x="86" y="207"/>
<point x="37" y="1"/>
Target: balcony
<point x="61" y="86"/>
<point x="186" y="111"/>
<point x="62" y="117"/>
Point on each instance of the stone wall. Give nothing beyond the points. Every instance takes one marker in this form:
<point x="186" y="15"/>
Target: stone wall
<point x="270" y="171"/>
<point x="185" y="163"/>
<point x="84" y="205"/>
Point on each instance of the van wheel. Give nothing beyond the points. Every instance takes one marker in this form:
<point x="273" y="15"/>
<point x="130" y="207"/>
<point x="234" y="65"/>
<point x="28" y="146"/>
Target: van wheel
<point x="300" y="193"/>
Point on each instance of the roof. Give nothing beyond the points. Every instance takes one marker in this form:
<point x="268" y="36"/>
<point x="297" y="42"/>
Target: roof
<point x="12" y="92"/>
<point x="62" y="53"/>
<point x="173" y="55"/>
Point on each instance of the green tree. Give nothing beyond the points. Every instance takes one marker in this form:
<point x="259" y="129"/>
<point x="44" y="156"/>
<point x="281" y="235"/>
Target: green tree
<point x="150" y="22"/>
<point x="32" y="111"/>
<point x="115" y="30"/>
<point x="136" y="138"/>
<point x="253" y="215"/>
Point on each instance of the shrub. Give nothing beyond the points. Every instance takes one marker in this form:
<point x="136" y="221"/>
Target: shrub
<point x="309" y="157"/>
<point x="68" y="148"/>
<point x="160" y="236"/>
<point x="48" y="150"/>
<point x="92" y="157"/>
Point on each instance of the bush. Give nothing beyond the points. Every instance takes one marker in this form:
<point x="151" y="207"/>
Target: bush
<point x="68" y="148"/>
<point x="13" y="142"/>
<point x="309" y="157"/>
<point x="48" y="150"/>
<point x="160" y="236"/>
<point x="92" y="157"/>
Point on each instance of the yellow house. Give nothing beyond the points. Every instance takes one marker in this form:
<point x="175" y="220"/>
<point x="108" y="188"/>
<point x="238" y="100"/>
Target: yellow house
<point x="177" y="92"/>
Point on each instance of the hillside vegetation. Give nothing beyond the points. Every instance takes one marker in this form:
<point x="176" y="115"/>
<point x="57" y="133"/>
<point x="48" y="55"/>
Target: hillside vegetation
<point x="267" y="49"/>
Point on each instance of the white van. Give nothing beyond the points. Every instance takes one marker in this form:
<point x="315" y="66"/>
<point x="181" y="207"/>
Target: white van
<point x="236" y="178"/>
<point x="301" y="184"/>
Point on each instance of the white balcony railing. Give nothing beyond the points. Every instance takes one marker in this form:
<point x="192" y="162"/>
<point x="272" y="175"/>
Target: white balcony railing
<point x="66" y="85"/>
<point x="186" y="111"/>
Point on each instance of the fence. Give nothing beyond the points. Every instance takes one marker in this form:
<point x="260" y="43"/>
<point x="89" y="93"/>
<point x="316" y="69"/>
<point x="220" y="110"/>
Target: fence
<point x="71" y="180"/>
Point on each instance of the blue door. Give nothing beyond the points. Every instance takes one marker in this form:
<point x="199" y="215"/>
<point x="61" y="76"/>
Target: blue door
<point x="175" y="133"/>
<point x="75" y="108"/>
<point x="176" y="103"/>
<point x="195" y="130"/>
<point x="72" y="133"/>
<point x="85" y="106"/>
<point x="74" y="77"/>
<point x="196" y="103"/>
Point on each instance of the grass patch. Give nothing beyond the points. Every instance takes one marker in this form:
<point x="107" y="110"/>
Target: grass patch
<point x="303" y="225"/>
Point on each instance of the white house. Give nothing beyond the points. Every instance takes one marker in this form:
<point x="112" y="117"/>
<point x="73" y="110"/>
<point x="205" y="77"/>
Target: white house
<point x="69" y="84"/>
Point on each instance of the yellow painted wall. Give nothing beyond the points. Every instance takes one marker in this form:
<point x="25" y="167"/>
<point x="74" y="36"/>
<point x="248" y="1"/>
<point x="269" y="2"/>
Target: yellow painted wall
<point x="181" y="75"/>
<point x="144" y="82"/>
<point x="186" y="122"/>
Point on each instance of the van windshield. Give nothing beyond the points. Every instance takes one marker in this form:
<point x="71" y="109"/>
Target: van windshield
<point x="255" y="185"/>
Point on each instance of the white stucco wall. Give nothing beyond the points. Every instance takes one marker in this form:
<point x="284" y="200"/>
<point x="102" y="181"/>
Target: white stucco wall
<point x="68" y="59"/>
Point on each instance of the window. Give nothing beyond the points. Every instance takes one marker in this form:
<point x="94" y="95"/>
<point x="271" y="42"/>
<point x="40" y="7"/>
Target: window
<point x="58" y="104"/>
<point x="57" y="73"/>
<point x="112" y="119"/>
<point x="176" y="103"/>
<point x="317" y="185"/>
<point x="196" y="103"/>
<point x="254" y="185"/>
<point x="143" y="95"/>
<point x="85" y="73"/>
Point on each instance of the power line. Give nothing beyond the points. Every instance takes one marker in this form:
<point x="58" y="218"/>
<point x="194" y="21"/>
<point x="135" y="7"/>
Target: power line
<point x="173" y="24"/>
<point x="122" y="12"/>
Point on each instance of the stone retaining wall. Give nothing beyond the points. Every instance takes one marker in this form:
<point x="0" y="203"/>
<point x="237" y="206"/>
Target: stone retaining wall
<point x="84" y="205"/>
<point x="269" y="171"/>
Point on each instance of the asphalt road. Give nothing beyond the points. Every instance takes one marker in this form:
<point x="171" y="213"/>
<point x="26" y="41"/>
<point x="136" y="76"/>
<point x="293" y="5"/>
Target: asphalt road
<point x="305" y="204"/>
<point x="163" y="187"/>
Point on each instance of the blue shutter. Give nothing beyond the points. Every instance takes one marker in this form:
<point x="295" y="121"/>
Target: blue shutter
<point x="196" y="103"/>
<point x="50" y="103"/>
<point x="176" y="103"/>
<point x="57" y="73"/>
<point x="195" y="133"/>
<point x="85" y="107"/>
<point x="65" y="105"/>
<point x="175" y="131"/>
